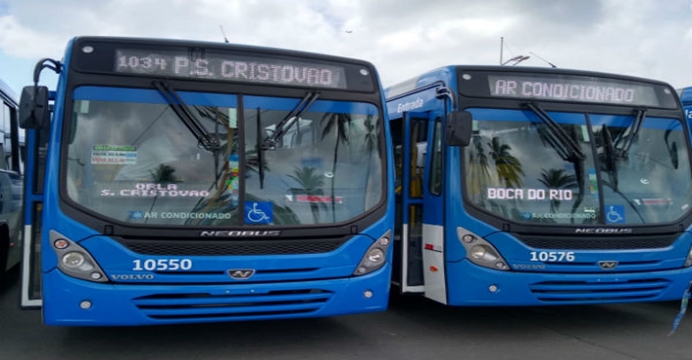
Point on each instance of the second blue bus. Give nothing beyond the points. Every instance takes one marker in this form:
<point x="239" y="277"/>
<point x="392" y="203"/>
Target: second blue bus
<point x="534" y="186"/>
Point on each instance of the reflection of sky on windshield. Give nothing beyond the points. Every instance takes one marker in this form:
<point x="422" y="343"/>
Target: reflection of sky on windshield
<point x="647" y="173"/>
<point x="311" y="158"/>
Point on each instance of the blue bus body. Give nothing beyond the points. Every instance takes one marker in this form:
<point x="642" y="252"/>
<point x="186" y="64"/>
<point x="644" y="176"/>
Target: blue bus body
<point x="11" y="166"/>
<point x="237" y="230"/>
<point x="574" y="188"/>
<point x="686" y="101"/>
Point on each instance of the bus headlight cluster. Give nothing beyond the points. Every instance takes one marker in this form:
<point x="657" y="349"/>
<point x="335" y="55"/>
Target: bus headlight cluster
<point x="376" y="256"/>
<point x="74" y="260"/>
<point x="481" y="252"/>
<point x="688" y="261"/>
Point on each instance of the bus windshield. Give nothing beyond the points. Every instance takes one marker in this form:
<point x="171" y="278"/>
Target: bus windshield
<point x="131" y="159"/>
<point x="517" y="168"/>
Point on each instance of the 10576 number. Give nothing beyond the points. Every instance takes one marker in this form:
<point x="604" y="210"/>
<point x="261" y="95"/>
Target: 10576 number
<point x="161" y="264"/>
<point x="552" y="256"/>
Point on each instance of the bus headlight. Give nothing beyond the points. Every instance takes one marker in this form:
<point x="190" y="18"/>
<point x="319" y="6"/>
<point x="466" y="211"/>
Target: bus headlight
<point x="688" y="261"/>
<point x="481" y="252"/>
<point x="376" y="256"/>
<point x="74" y="260"/>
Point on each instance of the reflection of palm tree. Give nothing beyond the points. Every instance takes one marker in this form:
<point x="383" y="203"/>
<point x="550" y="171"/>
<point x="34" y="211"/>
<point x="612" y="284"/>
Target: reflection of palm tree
<point x="557" y="179"/>
<point x="508" y="167"/>
<point x="228" y="146"/>
<point x="163" y="175"/>
<point x="479" y="169"/>
<point x="342" y="123"/>
<point x="370" y="142"/>
<point x="371" y="134"/>
<point x="311" y="182"/>
<point x="252" y="161"/>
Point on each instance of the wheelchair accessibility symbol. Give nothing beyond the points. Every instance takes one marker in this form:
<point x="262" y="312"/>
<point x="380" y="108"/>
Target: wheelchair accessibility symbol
<point x="615" y="214"/>
<point x="259" y="212"/>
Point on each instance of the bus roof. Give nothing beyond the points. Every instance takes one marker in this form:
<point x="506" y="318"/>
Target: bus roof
<point x="214" y="45"/>
<point x="447" y="74"/>
<point x="219" y="62"/>
<point x="686" y="95"/>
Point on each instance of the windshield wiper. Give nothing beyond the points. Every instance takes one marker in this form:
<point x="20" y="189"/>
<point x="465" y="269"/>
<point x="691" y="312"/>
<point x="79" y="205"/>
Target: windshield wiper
<point x="270" y="142"/>
<point x="565" y="141"/>
<point x="611" y="155"/>
<point x="632" y="132"/>
<point x="205" y="139"/>
<point x="260" y="152"/>
<point x="611" y="158"/>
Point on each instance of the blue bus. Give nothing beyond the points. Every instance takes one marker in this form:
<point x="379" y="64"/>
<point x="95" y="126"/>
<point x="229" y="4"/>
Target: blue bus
<point x="540" y="186"/>
<point x="174" y="181"/>
<point x="12" y="151"/>
<point x="686" y="100"/>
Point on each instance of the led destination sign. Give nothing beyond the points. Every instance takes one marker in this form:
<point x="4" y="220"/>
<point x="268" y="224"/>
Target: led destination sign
<point x="580" y="89"/>
<point x="229" y="67"/>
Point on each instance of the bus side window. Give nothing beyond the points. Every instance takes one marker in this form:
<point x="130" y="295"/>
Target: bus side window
<point x="436" y="161"/>
<point x="22" y="158"/>
<point x="419" y="129"/>
<point x="5" y="119"/>
<point x="3" y="158"/>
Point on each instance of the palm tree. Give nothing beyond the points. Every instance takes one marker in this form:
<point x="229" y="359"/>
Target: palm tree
<point x="164" y="175"/>
<point x="479" y="169"/>
<point x="312" y="183"/>
<point x="342" y="124"/>
<point x="557" y="179"/>
<point x="370" y="142"/>
<point x="222" y="176"/>
<point x="508" y="167"/>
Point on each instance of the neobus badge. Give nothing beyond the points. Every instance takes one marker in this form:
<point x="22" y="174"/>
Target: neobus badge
<point x="241" y="233"/>
<point x="241" y="274"/>
<point x="610" y="231"/>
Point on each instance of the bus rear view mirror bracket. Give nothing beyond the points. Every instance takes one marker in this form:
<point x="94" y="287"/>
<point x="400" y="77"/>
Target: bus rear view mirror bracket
<point x="459" y="128"/>
<point x="33" y="107"/>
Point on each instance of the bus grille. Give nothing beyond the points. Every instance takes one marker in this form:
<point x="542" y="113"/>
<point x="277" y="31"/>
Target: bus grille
<point x="566" y="292"/>
<point x="597" y="242"/>
<point x="225" y="247"/>
<point x="232" y="307"/>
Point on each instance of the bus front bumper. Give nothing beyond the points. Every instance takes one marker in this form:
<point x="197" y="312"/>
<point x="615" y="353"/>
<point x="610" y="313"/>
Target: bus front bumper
<point x="472" y="285"/>
<point x="73" y="302"/>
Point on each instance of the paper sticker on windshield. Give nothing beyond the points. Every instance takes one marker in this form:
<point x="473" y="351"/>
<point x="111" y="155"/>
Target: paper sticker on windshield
<point x="593" y="183"/>
<point x="257" y="212"/>
<point x="615" y="214"/>
<point x="114" y="155"/>
<point x="319" y="199"/>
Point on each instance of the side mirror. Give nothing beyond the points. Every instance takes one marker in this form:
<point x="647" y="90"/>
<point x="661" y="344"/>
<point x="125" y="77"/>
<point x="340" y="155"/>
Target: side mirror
<point x="459" y="128"/>
<point x="33" y="107"/>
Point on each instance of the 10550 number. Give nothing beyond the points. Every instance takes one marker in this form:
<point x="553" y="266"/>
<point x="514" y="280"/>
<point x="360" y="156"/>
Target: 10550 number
<point x="161" y="264"/>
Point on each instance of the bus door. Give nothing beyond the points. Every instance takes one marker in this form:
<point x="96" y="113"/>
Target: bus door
<point x="433" y="212"/>
<point x="411" y="150"/>
<point x="37" y="149"/>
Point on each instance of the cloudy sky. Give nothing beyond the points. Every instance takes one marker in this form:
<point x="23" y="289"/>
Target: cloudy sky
<point x="648" y="38"/>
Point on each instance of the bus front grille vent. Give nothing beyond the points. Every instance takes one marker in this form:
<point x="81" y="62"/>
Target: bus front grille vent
<point x="233" y="306"/>
<point x="597" y="242"/>
<point x="580" y="292"/>
<point x="225" y="247"/>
